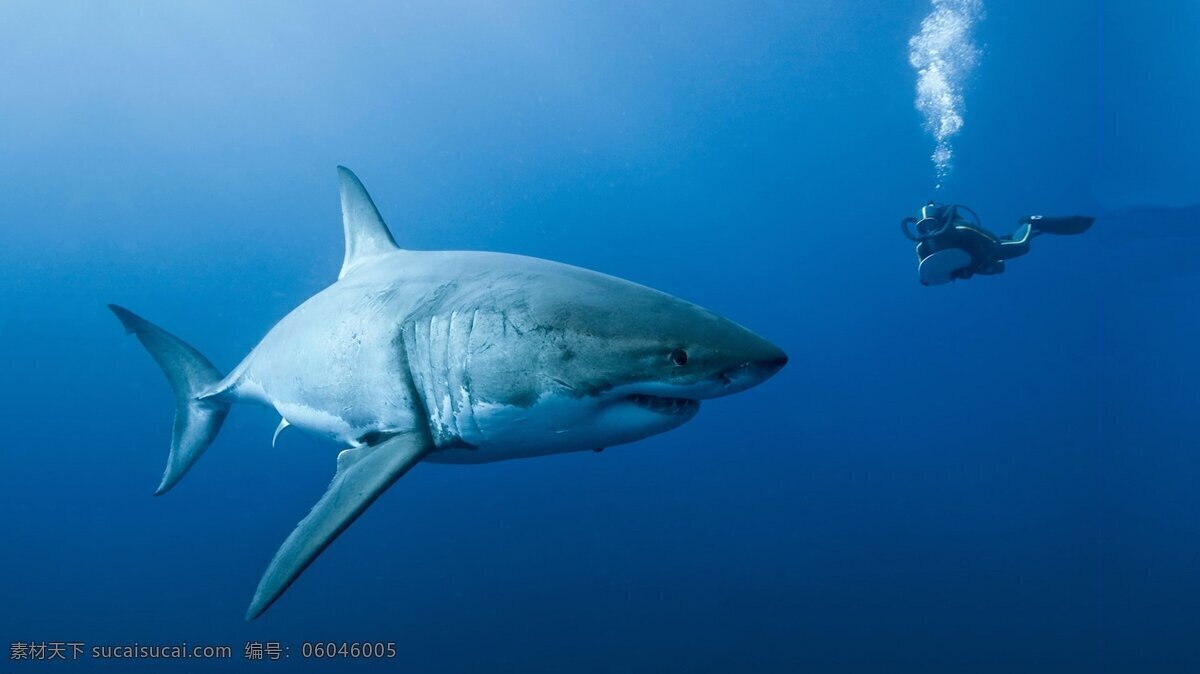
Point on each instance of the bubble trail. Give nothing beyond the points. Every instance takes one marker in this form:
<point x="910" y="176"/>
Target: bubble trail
<point x="943" y="55"/>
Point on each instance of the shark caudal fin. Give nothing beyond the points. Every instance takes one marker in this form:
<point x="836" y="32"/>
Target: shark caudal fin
<point x="197" y="420"/>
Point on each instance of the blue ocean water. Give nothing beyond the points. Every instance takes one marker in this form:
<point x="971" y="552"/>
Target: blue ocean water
<point x="993" y="476"/>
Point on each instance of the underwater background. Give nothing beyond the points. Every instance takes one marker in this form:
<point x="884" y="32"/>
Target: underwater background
<point x="999" y="475"/>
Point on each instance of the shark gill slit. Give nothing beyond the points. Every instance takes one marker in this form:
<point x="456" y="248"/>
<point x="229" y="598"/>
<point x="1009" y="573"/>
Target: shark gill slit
<point x="451" y="407"/>
<point x="477" y="432"/>
<point x="401" y="341"/>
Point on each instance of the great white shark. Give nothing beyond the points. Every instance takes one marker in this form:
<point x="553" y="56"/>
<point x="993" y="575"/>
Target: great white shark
<point x="453" y="357"/>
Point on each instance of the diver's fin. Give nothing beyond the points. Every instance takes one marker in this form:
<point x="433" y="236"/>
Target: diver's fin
<point x="362" y="475"/>
<point x="190" y="375"/>
<point x="1067" y="224"/>
<point x="366" y="234"/>
<point x="283" y="423"/>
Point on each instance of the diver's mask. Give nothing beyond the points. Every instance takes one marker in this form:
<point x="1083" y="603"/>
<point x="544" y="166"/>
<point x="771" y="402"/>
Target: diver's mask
<point x="935" y="219"/>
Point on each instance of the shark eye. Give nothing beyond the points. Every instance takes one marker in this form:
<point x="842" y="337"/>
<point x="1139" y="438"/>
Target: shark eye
<point x="679" y="357"/>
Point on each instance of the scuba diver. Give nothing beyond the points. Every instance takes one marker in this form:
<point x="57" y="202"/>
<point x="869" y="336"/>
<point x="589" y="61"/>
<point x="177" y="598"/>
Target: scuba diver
<point x="951" y="246"/>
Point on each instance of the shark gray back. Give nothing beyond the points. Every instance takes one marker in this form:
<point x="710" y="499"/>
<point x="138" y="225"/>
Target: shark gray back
<point x="454" y="357"/>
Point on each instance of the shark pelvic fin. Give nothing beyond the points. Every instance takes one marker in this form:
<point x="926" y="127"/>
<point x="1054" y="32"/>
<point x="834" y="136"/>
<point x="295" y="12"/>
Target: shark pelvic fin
<point x="283" y="423"/>
<point x="363" y="473"/>
<point x="197" y="418"/>
<point x="366" y="233"/>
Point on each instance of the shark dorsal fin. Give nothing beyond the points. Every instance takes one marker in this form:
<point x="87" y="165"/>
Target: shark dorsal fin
<point x="366" y="234"/>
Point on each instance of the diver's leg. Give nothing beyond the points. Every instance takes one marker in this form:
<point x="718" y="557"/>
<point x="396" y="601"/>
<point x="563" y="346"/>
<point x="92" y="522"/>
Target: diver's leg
<point x="1017" y="244"/>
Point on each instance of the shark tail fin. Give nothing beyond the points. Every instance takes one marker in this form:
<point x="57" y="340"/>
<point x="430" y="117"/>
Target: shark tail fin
<point x="197" y="418"/>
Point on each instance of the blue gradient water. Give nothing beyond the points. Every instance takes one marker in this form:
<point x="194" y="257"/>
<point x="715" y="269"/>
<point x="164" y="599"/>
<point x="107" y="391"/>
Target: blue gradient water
<point x="994" y="476"/>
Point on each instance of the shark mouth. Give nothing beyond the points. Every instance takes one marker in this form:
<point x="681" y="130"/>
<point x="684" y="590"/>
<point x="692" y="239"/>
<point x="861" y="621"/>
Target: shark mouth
<point x="663" y="405"/>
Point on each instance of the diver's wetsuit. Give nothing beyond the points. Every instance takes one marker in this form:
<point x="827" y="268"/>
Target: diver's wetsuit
<point x="968" y="249"/>
<point x="988" y="252"/>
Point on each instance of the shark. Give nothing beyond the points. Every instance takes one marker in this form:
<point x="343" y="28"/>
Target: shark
<point x="452" y="357"/>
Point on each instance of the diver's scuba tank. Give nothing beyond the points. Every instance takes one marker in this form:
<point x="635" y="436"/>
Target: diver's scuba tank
<point x="940" y="261"/>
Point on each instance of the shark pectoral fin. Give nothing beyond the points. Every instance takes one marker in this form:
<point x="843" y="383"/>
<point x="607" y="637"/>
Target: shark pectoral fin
<point x="366" y="233"/>
<point x="362" y="475"/>
<point x="283" y="423"/>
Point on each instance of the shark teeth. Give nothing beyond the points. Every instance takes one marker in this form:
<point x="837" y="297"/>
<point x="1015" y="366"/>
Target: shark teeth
<point x="664" y="405"/>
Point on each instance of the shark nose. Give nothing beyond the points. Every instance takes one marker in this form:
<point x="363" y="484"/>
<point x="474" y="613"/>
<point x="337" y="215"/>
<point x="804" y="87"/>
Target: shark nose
<point x="774" y="364"/>
<point x="753" y="372"/>
<point x="771" y="363"/>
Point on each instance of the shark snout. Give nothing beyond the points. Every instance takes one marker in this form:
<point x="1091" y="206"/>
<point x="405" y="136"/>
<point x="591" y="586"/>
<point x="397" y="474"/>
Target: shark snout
<point x="770" y="367"/>
<point x="753" y="371"/>
<point x="773" y="363"/>
<point x="766" y="359"/>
